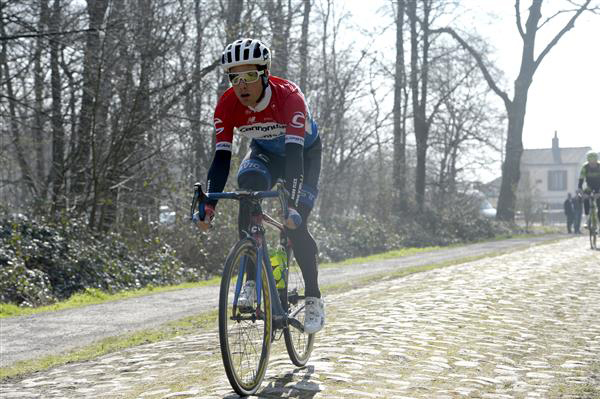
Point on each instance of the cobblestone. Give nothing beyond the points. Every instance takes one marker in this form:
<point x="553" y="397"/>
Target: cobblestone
<point x="521" y="325"/>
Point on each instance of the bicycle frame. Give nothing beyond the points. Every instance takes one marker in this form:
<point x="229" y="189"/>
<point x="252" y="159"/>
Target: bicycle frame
<point x="257" y="233"/>
<point x="593" y="198"/>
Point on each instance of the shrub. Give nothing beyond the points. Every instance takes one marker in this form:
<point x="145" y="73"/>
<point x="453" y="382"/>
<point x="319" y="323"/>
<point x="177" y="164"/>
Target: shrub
<point x="41" y="263"/>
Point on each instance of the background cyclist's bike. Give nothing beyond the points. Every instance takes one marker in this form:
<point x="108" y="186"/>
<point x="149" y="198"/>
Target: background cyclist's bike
<point x="593" y="223"/>
<point x="246" y="333"/>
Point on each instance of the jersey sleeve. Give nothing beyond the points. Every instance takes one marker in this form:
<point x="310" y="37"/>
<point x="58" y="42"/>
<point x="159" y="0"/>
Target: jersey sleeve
<point x="582" y="176"/>
<point x="295" y="116"/>
<point x="223" y="126"/>
<point x="219" y="169"/>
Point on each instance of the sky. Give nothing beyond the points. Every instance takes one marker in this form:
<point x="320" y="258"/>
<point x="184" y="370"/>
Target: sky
<point x="565" y="94"/>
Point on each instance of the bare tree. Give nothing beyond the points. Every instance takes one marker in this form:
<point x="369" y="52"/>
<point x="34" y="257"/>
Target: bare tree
<point x="57" y="167"/>
<point x="517" y="106"/>
<point x="280" y="21"/>
<point x="399" y="158"/>
<point x="304" y="46"/>
<point x="39" y="112"/>
<point x="424" y="105"/>
<point x="16" y="128"/>
<point x="91" y="78"/>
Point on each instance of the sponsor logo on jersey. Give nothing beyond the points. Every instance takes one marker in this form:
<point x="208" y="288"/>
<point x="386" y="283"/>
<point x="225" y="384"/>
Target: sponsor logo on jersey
<point x="224" y="146"/>
<point x="218" y="129"/>
<point x="290" y="138"/>
<point x="298" y="120"/>
<point x="263" y="131"/>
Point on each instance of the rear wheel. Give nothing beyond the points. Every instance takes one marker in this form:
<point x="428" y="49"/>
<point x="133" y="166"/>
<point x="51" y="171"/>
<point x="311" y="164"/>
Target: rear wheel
<point x="299" y="344"/>
<point x="244" y="334"/>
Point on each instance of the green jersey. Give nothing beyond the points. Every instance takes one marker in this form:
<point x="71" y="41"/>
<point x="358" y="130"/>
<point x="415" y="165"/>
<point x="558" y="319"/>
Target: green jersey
<point x="591" y="175"/>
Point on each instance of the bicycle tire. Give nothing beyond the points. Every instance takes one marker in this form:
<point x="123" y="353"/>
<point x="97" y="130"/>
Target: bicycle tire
<point x="593" y="229"/>
<point x="245" y="343"/>
<point x="299" y="345"/>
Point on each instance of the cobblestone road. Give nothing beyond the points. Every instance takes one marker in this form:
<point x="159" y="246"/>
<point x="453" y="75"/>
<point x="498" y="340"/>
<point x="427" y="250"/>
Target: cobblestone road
<point x="521" y="325"/>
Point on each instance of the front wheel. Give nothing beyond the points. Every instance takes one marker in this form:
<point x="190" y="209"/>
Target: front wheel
<point x="593" y="227"/>
<point x="299" y="345"/>
<point x="244" y="334"/>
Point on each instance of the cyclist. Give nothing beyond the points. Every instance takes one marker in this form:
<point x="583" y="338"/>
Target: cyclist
<point x="590" y="172"/>
<point x="285" y="144"/>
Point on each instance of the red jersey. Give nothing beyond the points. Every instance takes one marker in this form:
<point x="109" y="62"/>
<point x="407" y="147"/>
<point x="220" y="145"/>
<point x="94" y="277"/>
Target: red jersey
<point x="280" y="117"/>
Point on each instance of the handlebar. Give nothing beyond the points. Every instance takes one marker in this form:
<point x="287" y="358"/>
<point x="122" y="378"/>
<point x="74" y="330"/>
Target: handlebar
<point x="201" y="197"/>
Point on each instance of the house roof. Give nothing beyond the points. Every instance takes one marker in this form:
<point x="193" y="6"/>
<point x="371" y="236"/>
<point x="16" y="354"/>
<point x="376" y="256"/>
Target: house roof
<point x="544" y="156"/>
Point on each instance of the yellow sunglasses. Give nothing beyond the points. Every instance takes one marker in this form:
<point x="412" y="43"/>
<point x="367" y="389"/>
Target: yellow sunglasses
<point x="245" y="76"/>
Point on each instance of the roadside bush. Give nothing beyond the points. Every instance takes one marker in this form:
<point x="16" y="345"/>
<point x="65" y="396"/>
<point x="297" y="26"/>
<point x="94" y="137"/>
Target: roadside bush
<point x="41" y="263"/>
<point x="341" y="237"/>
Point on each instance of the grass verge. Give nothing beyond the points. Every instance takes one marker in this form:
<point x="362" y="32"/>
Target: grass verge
<point x="92" y="296"/>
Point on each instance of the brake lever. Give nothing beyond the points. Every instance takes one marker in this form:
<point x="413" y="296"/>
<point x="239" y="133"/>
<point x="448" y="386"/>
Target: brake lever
<point x="199" y="197"/>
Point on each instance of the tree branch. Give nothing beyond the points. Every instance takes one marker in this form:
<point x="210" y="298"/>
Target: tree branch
<point x="446" y="96"/>
<point x="568" y="26"/>
<point x="518" y="15"/>
<point x="480" y="63"/>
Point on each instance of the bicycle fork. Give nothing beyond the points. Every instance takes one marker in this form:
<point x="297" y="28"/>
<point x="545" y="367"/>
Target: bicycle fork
<point x="279" y="318"/>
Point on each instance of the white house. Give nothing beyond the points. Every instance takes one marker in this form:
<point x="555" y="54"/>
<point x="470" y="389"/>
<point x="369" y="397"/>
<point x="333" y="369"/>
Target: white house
<point x="551" y="173"/>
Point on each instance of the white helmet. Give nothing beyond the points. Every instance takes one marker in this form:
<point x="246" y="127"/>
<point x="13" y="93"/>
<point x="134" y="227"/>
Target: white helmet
<point x="246" y="51"/>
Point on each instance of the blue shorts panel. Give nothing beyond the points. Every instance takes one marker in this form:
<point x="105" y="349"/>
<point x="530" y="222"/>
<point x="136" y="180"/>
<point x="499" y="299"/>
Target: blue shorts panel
<point x="255" y="166"/>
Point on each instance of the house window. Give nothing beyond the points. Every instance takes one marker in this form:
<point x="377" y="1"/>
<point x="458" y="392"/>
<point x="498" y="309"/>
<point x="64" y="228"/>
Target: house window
<point x="557" y="180"/>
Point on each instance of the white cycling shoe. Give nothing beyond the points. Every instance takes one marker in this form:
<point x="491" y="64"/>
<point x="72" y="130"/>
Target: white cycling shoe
<point x="247" y="296"/>
<point x="314" y="314"/>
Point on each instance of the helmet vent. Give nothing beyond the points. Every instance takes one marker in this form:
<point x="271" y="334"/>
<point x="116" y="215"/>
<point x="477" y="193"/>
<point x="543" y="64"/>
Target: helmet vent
<point x="256" y="51"/>
<point x="237" y="52"/>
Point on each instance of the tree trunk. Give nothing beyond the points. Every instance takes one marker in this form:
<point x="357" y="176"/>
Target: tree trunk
<point x="511" y="166"/>
<point x="419" y="96"/>
<point x="304" y="47"/>
<point x="399" y="160"/>
<point x="96" y="10"/>
<point x="232" y="13"/>
<point x="516" y="110"/>
<point x="281" y="23"/>
<point x="326" y="204"/>
<point x="58" y="132"/>
<point x="199" y="145"/>
<point x="38" y="128"/>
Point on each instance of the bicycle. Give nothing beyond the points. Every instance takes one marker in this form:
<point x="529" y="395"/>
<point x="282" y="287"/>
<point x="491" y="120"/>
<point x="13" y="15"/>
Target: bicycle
<point x="246" y="334"/>
<point x="592" y="224"/>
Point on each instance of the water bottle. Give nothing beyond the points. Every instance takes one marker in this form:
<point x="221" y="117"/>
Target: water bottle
<point x="278" y="259"/>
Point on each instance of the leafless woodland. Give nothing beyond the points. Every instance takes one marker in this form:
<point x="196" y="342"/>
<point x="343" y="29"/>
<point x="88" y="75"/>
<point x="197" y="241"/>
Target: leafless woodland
<point x="106" y="105"/>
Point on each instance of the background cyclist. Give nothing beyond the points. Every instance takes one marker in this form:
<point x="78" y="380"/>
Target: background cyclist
<point x="285" y="144"/>
<point x="590" y="173"/>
